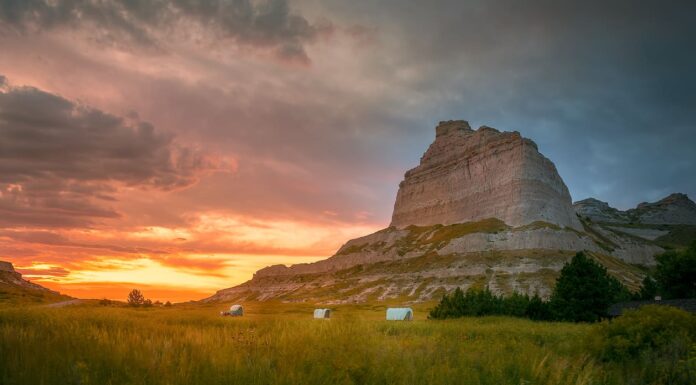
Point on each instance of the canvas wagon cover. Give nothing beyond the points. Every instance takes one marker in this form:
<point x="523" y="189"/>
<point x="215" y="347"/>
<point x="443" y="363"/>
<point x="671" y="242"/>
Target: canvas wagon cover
<point x="236" y="310"/>
<point x="399" y="314"/>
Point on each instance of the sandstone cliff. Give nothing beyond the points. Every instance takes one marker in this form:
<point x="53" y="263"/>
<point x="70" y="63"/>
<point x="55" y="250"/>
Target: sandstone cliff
<point x="483" y="208"/>
<point x="468" y="175"/>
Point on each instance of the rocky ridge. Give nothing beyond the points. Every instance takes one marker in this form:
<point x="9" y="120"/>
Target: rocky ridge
<point x="675" y="209"/>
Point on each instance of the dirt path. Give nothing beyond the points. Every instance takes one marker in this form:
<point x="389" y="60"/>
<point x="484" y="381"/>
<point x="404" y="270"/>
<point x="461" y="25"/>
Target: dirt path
<point x="71" y="302"/>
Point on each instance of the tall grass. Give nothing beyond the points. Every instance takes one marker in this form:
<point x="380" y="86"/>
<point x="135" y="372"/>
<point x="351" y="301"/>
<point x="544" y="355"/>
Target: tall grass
<point x="93" y="345"/>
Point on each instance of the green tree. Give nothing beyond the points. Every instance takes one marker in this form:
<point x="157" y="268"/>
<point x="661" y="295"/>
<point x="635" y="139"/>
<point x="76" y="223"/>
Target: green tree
<point x="648" y="290"/>
<point x="584" y="291"/>
<point x="477" y="302"/>
<point x="676" y="273"/>
<point x="136" y="298"/>
<point x="538" y="309"/>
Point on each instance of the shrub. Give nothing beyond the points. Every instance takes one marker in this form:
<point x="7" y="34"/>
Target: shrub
<point x="105" y="302"/>
<point x="584" y="291"/>
<point x="653" y="343"/>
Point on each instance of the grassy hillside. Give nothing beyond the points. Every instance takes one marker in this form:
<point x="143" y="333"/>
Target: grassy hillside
<point x="10" y="294"/>
<point x="280" y="344"/>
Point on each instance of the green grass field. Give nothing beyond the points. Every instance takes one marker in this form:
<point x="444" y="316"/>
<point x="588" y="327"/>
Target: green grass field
<point x="281" y="344"/>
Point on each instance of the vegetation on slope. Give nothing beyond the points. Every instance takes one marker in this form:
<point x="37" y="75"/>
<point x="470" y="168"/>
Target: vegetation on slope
<point x="10" y="294"/>
<point x="651" y="345"/>
<point x="582" y="293"/>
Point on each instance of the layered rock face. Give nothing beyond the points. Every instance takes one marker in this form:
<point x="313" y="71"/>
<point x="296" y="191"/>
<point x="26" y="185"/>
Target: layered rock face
<point x="468" y="175"/>
<point x="675" y="209"/>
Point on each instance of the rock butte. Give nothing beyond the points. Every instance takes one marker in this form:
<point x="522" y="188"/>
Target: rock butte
<point x="483" y="207"/>
<point x="467" y="176"/>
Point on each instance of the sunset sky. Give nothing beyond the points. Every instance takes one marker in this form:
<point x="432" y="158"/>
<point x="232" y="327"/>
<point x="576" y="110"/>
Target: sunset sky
<point x="177" y="146"/>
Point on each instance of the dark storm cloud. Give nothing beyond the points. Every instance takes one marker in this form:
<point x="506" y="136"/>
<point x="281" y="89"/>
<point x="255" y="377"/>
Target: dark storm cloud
<point x="269" y="24"/>
<point x="607" y="89"/>
<point x="61" y="162"/>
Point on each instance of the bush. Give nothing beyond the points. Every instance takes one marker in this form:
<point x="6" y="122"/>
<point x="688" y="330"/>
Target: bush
<point x="105" y="302"/>
<point x="654" y="344"/>
<point x="584" y="291"/>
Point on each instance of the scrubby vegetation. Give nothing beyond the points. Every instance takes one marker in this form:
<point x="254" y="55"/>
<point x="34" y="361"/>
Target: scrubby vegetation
<point x="20" y="295"/>
<point x="583" y="293"/>
<point x="651" y="345"/>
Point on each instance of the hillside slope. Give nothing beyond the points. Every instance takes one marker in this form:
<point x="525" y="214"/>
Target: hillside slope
<point x="15" y="290"/>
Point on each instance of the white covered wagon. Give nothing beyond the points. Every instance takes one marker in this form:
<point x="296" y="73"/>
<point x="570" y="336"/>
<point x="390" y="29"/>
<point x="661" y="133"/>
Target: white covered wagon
<point x="322" y="313"/>
<point x="399" y="314"/>
<point x="235" y="311"/>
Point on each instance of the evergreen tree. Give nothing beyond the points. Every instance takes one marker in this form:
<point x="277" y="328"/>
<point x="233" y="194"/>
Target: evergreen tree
<point x="676" y="273"/>
<point x="538" y="310"/>
<point x="648" y="289"/>
<point x="584" y="291"/>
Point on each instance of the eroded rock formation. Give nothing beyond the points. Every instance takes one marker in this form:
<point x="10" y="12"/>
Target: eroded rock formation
<point x="483" y="208"/>
<point x="468" y="175"/>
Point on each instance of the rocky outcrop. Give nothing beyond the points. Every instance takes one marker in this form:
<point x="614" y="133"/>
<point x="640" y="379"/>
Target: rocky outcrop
<point x="468" y="175"/>
<point x="6" y="267"/>
<point x="598" y="211"/>
<point x="483" y="208"/>
<point x="675" y="209"/>
<point x="10" y="278"/>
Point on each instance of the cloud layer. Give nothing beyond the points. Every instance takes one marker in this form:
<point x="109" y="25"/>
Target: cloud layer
<point x="61" y="162"/>
<point x="216" y="23"/>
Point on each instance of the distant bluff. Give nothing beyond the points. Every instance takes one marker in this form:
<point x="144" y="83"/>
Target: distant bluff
<point x="675" y="209"/>
<point x="468" y="176"/>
